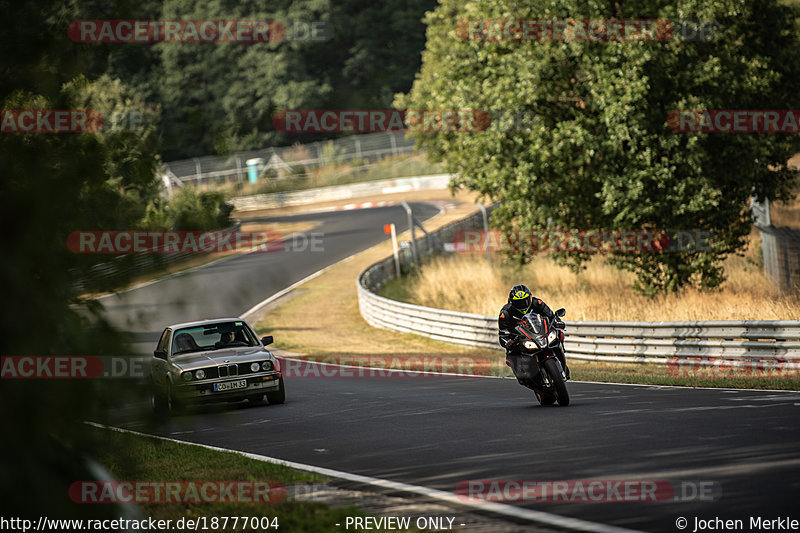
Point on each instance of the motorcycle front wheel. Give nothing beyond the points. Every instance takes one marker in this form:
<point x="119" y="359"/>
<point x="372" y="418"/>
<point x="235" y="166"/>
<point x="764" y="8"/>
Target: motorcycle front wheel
<point x="553" y="369"/>
<point x="545" y="398"/>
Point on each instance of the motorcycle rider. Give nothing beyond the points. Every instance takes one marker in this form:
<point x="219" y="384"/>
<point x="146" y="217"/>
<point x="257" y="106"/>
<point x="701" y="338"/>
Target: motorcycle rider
<point x="520" y="302"/>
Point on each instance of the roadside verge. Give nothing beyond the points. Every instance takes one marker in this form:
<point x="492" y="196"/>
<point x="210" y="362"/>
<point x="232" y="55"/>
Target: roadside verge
<point x="321" y="318"/>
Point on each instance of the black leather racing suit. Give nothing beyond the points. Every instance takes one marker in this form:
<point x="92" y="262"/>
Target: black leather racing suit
<point x="507" y="322"/>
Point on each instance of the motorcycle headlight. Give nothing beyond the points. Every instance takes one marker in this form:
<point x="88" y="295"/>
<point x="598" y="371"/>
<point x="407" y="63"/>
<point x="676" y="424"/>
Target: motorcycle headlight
<point x="266" y="365"/>
<point x="551" y="337"/>
<point x="541" y="341"/>
<point x="530" y="345"/>
<point x="200" y="374"/>
<point x="254" y="367"/>
<point x="187" y="376"/>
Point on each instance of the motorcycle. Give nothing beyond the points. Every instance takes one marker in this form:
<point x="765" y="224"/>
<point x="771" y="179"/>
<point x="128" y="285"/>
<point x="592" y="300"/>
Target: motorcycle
<point x="538" y="366"/>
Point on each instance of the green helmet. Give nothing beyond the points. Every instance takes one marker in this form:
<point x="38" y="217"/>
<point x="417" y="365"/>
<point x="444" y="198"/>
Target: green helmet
<point x="520" y="298"/>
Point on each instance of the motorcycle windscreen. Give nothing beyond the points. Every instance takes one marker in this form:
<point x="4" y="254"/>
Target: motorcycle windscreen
<point x="533" y="324"/>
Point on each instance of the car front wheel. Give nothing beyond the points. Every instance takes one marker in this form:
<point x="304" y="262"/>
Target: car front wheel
<point x="278" y="396"/>
<point x="161" y="403"/>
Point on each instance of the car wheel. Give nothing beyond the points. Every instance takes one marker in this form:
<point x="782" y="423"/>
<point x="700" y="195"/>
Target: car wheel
<point x="278" y="396"/>
<point x="171" y="405"/>
<point x="158" y="402"/>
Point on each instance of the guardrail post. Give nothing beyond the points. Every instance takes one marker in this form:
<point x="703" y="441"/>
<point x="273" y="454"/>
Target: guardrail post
<point x="239" y="175"/>
<point x="411" y="229"/>
<point x="197" y="170"/>
<point x="394" y="248"/>
<point x="486" y="230"/>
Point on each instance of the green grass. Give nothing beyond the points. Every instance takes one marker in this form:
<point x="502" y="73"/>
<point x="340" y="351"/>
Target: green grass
<point x="397" y="289"/>
<point x="134" y="457"/>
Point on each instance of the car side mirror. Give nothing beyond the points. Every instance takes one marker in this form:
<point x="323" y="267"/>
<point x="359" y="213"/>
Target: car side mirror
<point x="561" y="312"/>
<point x="160" y="354"/>
<point x="267" y="340"/>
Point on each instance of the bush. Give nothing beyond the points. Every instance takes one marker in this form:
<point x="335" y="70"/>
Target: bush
<point x="189" y="210"/>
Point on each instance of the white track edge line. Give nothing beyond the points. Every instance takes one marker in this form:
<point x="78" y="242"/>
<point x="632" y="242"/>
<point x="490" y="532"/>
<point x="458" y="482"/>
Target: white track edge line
<point x="292" y="287"/>
<point x="574" y="524"/>
<point x="724" y="389"/>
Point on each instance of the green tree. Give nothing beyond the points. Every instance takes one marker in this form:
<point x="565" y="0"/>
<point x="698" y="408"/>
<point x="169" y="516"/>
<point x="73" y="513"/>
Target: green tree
<point x="219" y="98"/>
<point x="50" y="185"/>
<point x="597" y="152"/>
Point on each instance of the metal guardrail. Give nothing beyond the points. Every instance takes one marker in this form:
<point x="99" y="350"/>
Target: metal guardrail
<point x="775" y="344"/>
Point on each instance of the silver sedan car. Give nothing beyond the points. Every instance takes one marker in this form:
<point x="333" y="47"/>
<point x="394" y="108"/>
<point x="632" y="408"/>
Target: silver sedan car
<point x="214" y="360"/>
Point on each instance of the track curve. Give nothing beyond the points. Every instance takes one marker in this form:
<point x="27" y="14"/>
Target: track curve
<point x="439" y="432"/>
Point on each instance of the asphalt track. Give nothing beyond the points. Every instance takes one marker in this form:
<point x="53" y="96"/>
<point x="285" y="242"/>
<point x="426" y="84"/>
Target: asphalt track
<point x="231" y="286"/>
<point x="438" y="432"/>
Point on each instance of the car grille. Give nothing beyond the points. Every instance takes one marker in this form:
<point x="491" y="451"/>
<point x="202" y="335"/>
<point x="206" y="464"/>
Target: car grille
<point x="228" y="370"/>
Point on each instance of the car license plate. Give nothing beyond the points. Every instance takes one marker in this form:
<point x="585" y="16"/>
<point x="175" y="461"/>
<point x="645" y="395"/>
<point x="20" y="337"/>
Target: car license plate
<point x="230" y="385"/>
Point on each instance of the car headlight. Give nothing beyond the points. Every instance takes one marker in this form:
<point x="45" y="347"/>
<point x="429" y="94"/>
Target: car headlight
<point x="254" y="367"/>
<point x="530" y="345"/>
<point x="187" y="376"/>
<point x="266" y="365"/>
<point x="551" y="337"/>
<point x="200" y="374"/>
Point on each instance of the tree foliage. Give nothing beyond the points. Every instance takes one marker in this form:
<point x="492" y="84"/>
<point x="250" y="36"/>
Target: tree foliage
<point x="595" y="150"/>
<point x="219" y="98"/>
<point x="50" y="185"/>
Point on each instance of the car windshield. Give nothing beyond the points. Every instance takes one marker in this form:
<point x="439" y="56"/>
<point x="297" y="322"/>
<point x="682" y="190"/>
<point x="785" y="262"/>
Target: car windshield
<point x="534" y="324"/>
<point x="215" y="336"/>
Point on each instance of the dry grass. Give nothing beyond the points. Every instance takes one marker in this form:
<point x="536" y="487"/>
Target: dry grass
<point x="787" y="213"/>
<point x="337" y="328"/>
<point x="601" y="292"/>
